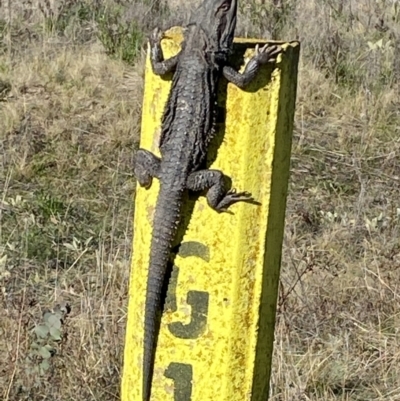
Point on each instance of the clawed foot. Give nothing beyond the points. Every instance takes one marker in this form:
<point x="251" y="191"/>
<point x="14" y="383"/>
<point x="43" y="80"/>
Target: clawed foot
<point x="146" y="166"/>
<point x="267" y="54"/>
<point x="143" y="177"/>
<point x="232" y="197"/>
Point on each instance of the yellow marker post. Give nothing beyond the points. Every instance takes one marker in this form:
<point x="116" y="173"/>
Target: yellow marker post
<point x="216" y="337"/>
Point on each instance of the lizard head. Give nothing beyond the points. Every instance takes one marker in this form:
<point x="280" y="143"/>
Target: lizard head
<point x="217" y="19"/>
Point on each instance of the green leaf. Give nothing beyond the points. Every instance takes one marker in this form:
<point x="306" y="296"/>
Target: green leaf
<point x="58" y="314"/>
<point x="55" y="333"/>
<point x="46" y="316"/>
<point x="44" y="353"/>
<point x="45" y="365"/>
<point x="41" y="331"/>
<point x="54" y="322"/>
<point x="35" y="345"/>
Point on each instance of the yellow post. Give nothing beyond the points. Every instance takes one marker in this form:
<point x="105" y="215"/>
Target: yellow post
<point x="216" y="337"/>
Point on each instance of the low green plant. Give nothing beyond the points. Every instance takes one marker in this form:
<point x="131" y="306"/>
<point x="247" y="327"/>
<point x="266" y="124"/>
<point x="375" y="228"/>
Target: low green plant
<point x="45" y="223"/>
<point x="48" y="333"/>
<point x="121" y="39"/>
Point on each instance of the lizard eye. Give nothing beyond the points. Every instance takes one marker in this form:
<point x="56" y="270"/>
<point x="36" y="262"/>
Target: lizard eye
<point x="225" y="6"/>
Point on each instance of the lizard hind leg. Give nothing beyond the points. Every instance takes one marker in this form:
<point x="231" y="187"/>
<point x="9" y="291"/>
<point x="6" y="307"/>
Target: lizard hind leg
<point x="217" y="196"/>
<point x="146" y="166"/>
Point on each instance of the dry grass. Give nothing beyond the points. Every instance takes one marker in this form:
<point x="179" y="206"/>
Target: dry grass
<point x="68" y="129"/>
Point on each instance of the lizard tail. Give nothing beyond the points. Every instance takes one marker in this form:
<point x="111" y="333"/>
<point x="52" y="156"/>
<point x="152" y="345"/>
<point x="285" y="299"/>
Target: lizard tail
<point x="166" y="221"/>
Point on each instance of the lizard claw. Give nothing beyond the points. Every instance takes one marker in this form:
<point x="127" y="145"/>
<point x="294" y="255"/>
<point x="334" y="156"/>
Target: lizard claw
<point x="231" y="197"/>
<point x="267" y="54"/>
<point x="235" y="195"/>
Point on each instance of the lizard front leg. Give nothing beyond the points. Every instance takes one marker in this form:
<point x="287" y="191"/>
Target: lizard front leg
<point x="146" y="167"/>
<point x="264" y="55"/>
<point x="158" y="64"/>
<point x="217" y="196"/>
